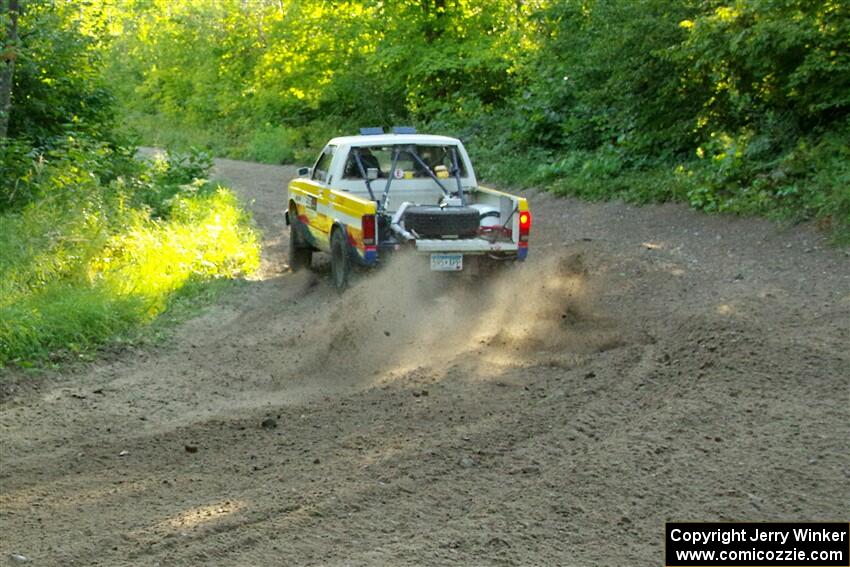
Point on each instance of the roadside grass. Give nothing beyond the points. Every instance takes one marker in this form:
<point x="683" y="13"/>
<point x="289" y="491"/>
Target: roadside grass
<point x="805" y="183"/>
<point x="159" y="131"/>
<point x="193" y="298"/>
<point x="95" y="263"/>
<point x="275" y="144"/>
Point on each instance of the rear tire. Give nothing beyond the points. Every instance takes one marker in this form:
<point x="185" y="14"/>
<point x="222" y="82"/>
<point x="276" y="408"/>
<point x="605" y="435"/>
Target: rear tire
<point x="340" y="262"/>
<point x="300" y="256"/>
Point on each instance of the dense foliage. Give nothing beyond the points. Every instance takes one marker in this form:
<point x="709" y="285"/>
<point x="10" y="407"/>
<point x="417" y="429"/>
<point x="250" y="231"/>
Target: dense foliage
<point x="93" y="242"/>
<point x="738" y="105"/>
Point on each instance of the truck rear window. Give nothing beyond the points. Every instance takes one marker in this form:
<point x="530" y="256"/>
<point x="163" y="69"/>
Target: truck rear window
<point x="381" y="157"/>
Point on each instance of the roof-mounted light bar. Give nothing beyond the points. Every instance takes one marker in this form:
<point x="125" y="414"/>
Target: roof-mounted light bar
<point x="372" y="131"/>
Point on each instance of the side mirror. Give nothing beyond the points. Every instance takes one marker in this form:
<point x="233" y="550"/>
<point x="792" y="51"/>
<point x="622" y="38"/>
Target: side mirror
<point x="304" y="171"/>
<point x="371" y="173"/>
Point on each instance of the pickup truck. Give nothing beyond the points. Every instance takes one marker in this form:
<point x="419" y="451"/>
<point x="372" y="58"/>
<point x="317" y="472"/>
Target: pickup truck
<point x="371" y="195"/>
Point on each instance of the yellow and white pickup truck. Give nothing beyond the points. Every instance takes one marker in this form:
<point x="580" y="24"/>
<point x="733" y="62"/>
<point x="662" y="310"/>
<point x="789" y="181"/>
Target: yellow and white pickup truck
<point x="370" y="195"/>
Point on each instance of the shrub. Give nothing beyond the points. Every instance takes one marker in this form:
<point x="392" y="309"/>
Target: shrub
<point x="87" y="261"/>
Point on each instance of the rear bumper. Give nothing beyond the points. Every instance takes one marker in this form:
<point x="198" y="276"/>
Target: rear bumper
<point x="468" y="246"/>
<point x="465" y="246"/>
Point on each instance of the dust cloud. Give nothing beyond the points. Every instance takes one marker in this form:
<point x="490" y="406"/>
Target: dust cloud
<point x="405" y="316"/>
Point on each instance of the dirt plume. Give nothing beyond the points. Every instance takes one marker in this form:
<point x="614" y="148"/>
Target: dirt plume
<point x="403" y="315"/>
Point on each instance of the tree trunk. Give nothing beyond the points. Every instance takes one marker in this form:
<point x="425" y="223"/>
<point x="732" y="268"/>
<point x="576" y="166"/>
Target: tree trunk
<point x="8" y="52"/>
<point x="435" y="18"/>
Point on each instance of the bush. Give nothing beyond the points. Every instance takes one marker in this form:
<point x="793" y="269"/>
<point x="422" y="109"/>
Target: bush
<point x="87" y="261"/>
<point x="273" y="144"/>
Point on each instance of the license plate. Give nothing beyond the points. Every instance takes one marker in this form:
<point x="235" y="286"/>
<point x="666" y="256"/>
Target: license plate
<point x="446" y="262"/>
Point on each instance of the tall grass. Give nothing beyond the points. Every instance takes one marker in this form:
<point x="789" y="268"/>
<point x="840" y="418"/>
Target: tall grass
<point x="89" y="261"/>
<point x="260" y="142"/>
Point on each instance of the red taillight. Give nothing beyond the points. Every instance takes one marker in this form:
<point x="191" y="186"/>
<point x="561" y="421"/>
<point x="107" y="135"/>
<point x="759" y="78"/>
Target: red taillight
<point x="368" y="230"/>
<point x="524" y="225"/>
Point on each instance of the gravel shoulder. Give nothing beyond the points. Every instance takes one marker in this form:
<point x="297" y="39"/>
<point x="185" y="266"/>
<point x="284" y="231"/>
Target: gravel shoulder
<point x="647" y="364"/>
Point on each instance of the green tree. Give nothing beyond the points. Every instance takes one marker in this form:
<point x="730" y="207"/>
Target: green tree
<point x="778" y="66"/>
<point x="9" y="10"/>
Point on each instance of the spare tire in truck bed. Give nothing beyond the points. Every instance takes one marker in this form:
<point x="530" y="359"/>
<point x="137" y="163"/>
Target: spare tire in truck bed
<point x="433" y="221"/>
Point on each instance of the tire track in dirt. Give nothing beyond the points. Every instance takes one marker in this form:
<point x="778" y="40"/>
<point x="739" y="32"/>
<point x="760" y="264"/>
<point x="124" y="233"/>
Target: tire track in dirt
<point x="647" y="364"/>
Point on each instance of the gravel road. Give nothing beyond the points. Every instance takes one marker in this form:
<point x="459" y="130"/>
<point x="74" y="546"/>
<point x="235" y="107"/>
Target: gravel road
<point x="647" y="364"/>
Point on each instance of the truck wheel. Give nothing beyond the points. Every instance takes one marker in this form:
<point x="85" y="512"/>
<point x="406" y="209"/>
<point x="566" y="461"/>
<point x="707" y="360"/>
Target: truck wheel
<point x="340" y="262"/>
<point x="300" y="255"/>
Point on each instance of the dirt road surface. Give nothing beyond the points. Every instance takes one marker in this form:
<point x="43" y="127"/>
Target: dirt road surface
<point x="647" y="364"/>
